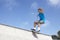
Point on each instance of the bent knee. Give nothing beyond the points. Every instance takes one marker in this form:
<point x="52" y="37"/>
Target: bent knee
<point x="35" y="22"/>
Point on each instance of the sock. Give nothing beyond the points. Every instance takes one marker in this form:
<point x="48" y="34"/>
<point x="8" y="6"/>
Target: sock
<point x="35" y="28"/>
<point x="38" y="28"/>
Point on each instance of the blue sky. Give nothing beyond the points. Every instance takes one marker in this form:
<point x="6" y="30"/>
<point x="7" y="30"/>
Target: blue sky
<point x="22" y="14"/>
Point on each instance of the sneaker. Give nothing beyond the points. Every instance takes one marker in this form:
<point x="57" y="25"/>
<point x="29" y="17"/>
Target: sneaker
<point x="33" y="29"/>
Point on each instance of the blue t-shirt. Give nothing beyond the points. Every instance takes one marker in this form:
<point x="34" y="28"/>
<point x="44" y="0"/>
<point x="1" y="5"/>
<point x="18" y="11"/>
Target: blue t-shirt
<point x="41" y="17"/>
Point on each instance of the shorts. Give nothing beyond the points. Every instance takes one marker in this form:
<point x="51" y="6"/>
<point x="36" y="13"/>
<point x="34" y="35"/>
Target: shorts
<point x="39" y="22"/>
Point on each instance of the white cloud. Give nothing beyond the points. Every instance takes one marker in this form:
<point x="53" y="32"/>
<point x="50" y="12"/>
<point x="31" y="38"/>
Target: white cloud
<point x="10" y="4"/>
<point x="34" y="5"/>
<point x="54" y="2"/>
<point x="46" y="23"/>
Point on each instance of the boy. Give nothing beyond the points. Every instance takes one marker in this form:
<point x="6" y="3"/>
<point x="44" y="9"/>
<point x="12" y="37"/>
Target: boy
<point x="40" y="21"/>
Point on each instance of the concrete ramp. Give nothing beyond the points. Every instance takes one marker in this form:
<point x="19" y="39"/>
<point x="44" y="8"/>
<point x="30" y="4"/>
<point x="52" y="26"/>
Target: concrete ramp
<point x="12" y="33"/>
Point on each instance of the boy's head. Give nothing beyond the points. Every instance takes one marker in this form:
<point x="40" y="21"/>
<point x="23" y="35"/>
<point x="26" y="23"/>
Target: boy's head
<point x="40" y="10"/>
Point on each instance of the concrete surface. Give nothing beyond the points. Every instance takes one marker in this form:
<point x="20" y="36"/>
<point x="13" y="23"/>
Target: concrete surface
<point x="12" y="33"/>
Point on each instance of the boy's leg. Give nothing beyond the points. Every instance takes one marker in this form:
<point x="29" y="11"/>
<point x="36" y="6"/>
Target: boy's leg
<point x="34" y="29"/>
<point x="39" y="26"/>
<point x="35" y="23"/>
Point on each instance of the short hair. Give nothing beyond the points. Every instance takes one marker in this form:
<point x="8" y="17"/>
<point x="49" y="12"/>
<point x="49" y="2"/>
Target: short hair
<point x="40" y="9"/>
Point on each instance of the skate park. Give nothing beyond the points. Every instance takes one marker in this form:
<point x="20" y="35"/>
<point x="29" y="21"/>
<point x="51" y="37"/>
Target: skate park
<point x="12" y="33"/>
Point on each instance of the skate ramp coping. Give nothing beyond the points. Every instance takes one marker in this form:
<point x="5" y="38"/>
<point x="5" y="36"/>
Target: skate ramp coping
<point x="12" y="33"/>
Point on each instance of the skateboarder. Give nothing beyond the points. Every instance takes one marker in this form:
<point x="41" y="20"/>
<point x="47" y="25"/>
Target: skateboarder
<point x="40" y="21"/>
